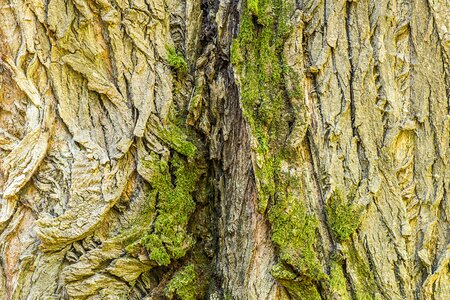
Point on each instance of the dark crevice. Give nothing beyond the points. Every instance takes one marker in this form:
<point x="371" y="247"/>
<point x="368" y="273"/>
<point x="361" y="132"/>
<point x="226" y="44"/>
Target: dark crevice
<point x="348" y="280"/>
<point x="444" y="56"/>
<point x="338" y="78"/>
<point x="352" y="67"/>
<point x="315" y="94"/>
<point x="381" y="100"/>
<point x="310" y="145"/>
<point x="114" y="75"/>
<point x="400" y="279"/>
<point x="360" y="148"/>
<point x="218" y="68"/>
<point x="101" y="120"/>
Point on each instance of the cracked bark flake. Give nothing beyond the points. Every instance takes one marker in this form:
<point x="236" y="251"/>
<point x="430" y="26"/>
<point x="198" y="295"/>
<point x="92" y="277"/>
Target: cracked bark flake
<point x="312" y="139"/>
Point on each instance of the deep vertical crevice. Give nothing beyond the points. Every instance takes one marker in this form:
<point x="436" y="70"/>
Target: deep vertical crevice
<point x="348" y="20"/>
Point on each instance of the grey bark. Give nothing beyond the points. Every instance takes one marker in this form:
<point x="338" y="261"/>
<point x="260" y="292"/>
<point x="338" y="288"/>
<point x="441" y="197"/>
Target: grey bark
<point x="91" y="102"/>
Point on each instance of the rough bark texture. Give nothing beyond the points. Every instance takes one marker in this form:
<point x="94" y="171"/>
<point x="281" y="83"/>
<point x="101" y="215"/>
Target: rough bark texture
<point x="255" y="149"/>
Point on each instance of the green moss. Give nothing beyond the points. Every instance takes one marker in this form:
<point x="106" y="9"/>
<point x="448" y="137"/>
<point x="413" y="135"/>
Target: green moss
<point x="176" y="60"/>
<point x="183" y="284"/>
<point x="298" y="287"/>
<point x="176" y="139"/>
<point x="236" y="55"/>
<point x="257" y="57"/>
<point x="343" y="217"/>
<point x="265" y="181"/>
<point x="293" y="232"/>
<point x="282" y="272"/>
<point x="338" y="285"/>
<point x="155" y="247"/>
<point x="167" y="239"/>
<point x="253" y="6"/>
<point x="364" y="282"/>
<point x="227" y="296"/>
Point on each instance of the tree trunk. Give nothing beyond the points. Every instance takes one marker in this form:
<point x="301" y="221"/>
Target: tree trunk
<point x="262" y="149"/>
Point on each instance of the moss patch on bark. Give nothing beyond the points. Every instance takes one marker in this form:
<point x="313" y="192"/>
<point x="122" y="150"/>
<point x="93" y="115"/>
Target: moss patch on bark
<point x="183" y="284"/>
<point x="299" y="287"/>
<point x="338" y="285"/>
<point x="343" y="216"/>
<point x="293" y="232"/>
<point x="168" y="239"/>
<point x="176" y="60"/>
<point x="257" y="57"/>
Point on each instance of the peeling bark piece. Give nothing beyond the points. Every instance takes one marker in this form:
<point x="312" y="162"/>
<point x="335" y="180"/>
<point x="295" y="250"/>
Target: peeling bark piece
<point x="94" y="260"/>
<point x="142" y="92"/>
<point x="96" y="81"/>
<point x="100" y="286"/>
<point x="91" y="197"/>
<point x="127" y="268"/>
<point x="23" y="161"/>
<point x="25" y="83"/>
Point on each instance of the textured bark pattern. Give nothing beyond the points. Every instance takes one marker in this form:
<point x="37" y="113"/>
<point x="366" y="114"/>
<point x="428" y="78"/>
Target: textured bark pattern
<point x="138" y="162"/>
<point x="380" y="127"/>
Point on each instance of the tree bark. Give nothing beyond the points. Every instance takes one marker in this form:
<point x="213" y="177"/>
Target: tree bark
<point x="256" y="149"/>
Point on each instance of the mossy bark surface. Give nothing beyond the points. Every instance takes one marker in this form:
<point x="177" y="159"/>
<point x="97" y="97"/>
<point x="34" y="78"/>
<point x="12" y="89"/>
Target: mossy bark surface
<point x="253" y="149"/>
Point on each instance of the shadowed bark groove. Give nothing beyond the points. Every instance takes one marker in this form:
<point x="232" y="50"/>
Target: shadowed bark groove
<point x="253" y="149"/>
